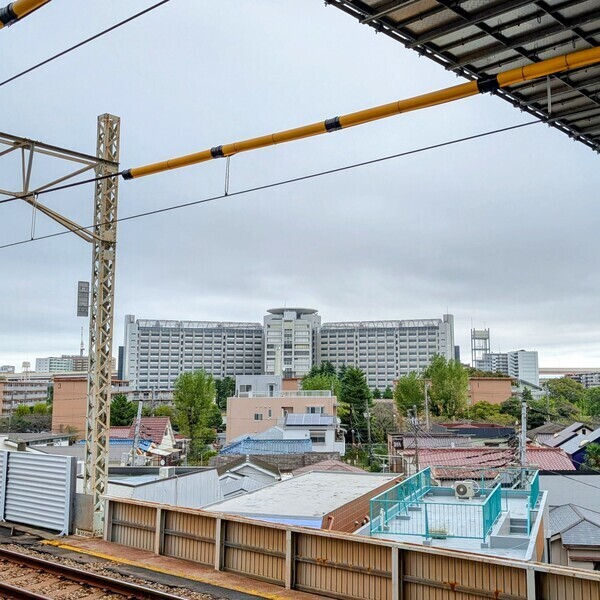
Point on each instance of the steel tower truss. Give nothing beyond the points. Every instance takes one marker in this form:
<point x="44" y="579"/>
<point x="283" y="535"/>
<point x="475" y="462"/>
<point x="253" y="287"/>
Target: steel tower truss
<point x="103" y="237"/>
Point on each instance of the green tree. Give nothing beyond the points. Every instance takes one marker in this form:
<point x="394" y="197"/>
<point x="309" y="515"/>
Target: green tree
<point x="193" y="397"/>
<point x="592" y="457"/>
<point x="356" y="399"/>
<point x="342" y="372"/>
<point x="321" y="381"/>
<point x="536" y="410"/>
<point x="409" y="392"/>
<point x="592" y="401"/>
<point x="225" y="388"/>
<point x="382" y="422"/>
<point x="164" y="410"/>
<point x="22" y="410"/>
<point x="41" y="408"/>
<point x="566" y="389"/>
<point x="448" y="389"/>
<point x="376" y="394"/>
<point x="487" y="412"/>
<point x="122" y="411"/>
<point x="388" y="394"/>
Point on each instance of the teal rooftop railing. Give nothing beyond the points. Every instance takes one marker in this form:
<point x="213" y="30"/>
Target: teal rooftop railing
<point x="419" y="506"/>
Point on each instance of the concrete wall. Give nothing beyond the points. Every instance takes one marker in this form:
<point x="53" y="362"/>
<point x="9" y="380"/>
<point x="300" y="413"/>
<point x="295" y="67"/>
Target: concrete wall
<point x="572" y="487"/>
<point x="70" y="404"/>
<point x="494" y="390"/>
<point x="241" y="412"/>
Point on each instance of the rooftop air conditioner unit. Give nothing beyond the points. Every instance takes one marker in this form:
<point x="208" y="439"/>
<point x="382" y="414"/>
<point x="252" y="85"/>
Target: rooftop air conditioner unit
<point x="464" y="489"/>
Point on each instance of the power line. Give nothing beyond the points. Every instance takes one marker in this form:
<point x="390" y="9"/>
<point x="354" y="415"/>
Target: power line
<point x="253" y="189"/>
<point x="84" y="42"/>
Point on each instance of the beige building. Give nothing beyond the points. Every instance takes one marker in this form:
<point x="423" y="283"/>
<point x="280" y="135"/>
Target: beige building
<point x="494" y="390"/>
<point x="69" y="406"/>
<point x="258" y="412"/>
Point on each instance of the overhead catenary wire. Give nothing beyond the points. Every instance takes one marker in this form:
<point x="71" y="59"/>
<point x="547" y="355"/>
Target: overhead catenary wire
<point x="83" y="42"/>
<point x="261" y="187"/>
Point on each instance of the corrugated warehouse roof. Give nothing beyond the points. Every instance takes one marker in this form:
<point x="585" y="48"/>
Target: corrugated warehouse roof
<point x="477" y="39"/>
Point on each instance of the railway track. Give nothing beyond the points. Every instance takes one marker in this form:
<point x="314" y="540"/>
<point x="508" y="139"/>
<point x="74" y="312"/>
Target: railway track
<point x="26" y="577"/>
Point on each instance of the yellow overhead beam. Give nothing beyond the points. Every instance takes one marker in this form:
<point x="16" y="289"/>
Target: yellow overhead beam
<point x="552" y="66"/>
<point x="17" y="10"/>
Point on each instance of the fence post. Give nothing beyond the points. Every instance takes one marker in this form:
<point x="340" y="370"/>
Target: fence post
<point x="290" y="559"/>
<point x="219" y="544"/>
<point x="531" y="587"/>
<point x="108" y="519"/>
<point x="159" y="531"/>
<point x="397" y="569"/>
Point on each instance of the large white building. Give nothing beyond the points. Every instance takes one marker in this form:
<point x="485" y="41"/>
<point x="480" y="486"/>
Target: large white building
<point x="157" y="352"/>
<point x="386" y="350"/>
<point x="290" y="342"/>
<point x="521" y="364"/>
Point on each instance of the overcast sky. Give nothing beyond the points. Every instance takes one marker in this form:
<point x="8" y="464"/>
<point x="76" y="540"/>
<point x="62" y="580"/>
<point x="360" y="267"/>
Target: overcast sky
<point x="502" y="232"/>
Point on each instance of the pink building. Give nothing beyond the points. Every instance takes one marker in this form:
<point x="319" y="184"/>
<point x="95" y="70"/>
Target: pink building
<point x="257" y="412"/>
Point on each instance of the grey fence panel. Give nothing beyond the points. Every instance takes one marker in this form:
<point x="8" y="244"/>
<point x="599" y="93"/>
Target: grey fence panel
<point x="40" y="490"/>
<point x="3" y="468"/>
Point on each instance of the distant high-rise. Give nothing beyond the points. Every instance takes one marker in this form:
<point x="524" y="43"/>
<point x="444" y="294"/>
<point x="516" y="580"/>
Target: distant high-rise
<point x="520" y="364"/>
<point x="157" y="352"/>
<point x="289" y="341"/>
<point x="386" y="350"/>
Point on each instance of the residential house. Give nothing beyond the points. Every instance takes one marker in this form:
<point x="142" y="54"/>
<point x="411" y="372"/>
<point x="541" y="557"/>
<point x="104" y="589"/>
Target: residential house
<point x="246" y="474"/>
<point x="574" y="537"/>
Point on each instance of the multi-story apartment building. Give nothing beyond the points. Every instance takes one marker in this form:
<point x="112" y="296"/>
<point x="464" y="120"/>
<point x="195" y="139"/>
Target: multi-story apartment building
<point x="157" y="352"/>
<point x="7" y="369"/>
<point x="289" y="341"/>
<point x="587" y="380"/>
<point x="67" y="363"/>
<point x="520" y="364"/>
<point x="23" y="388"/>
<point x="386" y="350"/>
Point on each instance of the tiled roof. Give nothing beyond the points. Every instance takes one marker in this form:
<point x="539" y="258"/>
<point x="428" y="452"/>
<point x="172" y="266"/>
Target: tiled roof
<point x="432" y="441"/>
<point x="242" y="460"/>
<point x="545" y="459"/>
<point x="151" y="428"/>
<point x="577" y="526"/>
<point x="328" y="465"/>
<point x="545" y="429"/>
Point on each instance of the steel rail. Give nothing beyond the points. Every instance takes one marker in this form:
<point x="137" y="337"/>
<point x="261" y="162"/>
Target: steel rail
<point x="117" y="586"/>
<point x="16" y="593"/>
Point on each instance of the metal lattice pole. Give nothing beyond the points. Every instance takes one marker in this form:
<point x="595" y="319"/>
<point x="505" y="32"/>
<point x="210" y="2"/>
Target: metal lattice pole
<point x="101" y="318"/>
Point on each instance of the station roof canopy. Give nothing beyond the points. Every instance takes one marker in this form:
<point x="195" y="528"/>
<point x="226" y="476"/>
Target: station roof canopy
<point x="478" y="38"/>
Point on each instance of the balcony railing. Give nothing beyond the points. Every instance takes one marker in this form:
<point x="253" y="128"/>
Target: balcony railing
<point x="287" y="394"/>
<point x="412" y="508"/>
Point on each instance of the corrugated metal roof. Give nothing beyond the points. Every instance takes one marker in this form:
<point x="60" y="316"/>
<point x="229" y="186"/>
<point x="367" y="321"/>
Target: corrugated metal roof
<point x="477" y="38"/>
<point x="250" y="446"/>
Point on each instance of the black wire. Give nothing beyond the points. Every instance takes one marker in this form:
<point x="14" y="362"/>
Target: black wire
<point x="83" y="43"/>
<point x="253" y="189"/>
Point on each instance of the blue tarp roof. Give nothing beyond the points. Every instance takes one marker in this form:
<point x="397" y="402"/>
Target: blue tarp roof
<point x="250" y="446"/>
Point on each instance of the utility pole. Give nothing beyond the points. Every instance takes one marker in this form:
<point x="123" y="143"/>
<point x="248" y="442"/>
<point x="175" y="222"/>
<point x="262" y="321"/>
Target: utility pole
<point x="368" y="418"/>
<point x="523" y="445"/>
<point x="547" y="404"/>
<point x="101" y="319"/>
<point x="136" y="435"/>
<point x="426" y="407"/>
<point x="414" y="422"/>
